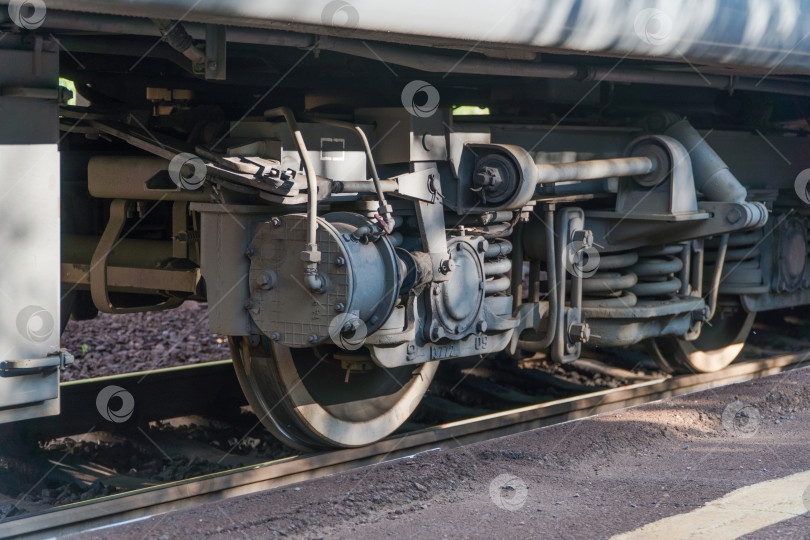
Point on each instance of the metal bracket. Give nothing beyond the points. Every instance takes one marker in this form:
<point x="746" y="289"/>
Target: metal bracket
<point x="98" y="265"/>
<point x="420" y="185"/>
<point x="564" y="350"/>
<point x="215" y="52"/>
<point x="29" y="366"/>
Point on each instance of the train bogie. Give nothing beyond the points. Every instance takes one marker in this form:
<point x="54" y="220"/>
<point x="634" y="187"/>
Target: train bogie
<point x="349" y="229"/>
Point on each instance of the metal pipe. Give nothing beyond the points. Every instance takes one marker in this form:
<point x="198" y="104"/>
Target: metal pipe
<point x="718" y="272"/>
<point x="312" y="278"/>
<point x="591" y="170"/>
<point x="385" y="208"/>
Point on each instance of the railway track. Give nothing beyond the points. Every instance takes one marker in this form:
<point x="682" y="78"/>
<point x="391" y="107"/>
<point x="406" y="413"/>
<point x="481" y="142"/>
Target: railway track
<point x="148" y="501"/>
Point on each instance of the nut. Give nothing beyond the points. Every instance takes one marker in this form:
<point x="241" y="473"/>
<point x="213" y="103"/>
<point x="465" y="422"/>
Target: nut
<point x="579" y="332"/>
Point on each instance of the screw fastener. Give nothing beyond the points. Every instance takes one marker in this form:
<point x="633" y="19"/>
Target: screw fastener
<point x="579" y="332"/>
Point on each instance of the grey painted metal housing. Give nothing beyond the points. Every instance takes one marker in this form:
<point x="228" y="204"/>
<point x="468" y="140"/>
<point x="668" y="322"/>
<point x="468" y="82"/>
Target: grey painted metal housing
<point x="767" y="34"/>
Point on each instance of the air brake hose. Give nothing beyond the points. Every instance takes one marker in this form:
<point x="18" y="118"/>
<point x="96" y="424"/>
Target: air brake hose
<point x="311" y="255"/>
<point x="385" y="209"/>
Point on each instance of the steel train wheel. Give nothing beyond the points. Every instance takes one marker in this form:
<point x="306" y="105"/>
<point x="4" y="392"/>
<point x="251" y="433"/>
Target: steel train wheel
<point x="716" y="347"/>
<point x="300" y="395"/>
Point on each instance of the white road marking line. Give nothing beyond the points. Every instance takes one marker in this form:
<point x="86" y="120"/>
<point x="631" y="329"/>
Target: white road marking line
<point x="738" y="513"/>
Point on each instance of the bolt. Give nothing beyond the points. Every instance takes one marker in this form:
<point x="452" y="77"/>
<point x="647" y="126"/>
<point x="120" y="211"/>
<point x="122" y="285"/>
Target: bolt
<point x="313" y="338"/>
<point x="351" y="325"/>
<point x="701" y="314"/>
<point x="212" y="65"/>
<point x="579" y="332"/>
<point x="339" y="307"/>
<point x="734" y="215"/>
<point x="275" y="336"/>
<point x="276" y="222"/>
<point x="446" y="266"/>
<point x="482" y="246"/>
<point x="374" y="319"/>
<point x="250" y="252"/>
<point x="267" y="280"/>
<point x="251" y="305"/>
<point x="481" y="326"/>
<point x="340" y="261"/>
<point x="411" y="351"/>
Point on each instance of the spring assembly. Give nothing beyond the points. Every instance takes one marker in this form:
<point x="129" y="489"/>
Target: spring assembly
<point x="610" y="286"/>
<point x="657" y="270"/>
<point x="497" y="267"/>
<point x="625" y="279"/>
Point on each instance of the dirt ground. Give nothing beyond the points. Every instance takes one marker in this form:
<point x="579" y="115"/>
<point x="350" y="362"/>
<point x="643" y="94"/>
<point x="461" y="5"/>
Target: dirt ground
<point x="591" y="478"/>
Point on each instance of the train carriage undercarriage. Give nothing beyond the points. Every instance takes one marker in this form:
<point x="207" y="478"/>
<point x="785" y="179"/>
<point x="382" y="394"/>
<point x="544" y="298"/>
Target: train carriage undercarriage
<point x="349" y="227"/>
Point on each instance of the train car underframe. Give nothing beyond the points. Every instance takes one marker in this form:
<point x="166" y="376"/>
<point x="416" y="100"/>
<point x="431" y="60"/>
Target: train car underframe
<point x="347" y="239"/>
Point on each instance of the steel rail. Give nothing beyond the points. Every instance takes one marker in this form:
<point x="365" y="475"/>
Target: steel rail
<point x="155" y="500"/>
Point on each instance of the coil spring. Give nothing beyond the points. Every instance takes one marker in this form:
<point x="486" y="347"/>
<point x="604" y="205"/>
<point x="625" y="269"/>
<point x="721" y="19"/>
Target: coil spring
<point x="497" y="266"/>
<point x="624" y="278"/>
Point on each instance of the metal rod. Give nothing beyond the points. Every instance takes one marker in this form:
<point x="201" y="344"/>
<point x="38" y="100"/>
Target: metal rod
<point x="718" y="272"/>
<point x="365" y="186"/>
<point x="591" y="170"/>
